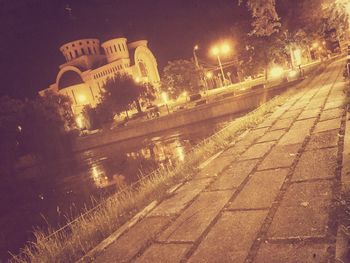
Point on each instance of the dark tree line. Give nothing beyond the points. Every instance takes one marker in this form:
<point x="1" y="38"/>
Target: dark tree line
<point x="42" y="128"/>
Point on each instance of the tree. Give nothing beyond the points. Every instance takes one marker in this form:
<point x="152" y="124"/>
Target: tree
<point x="265" y="18"/>
<point x="44" y="131"/>
<point x="121" y="93"/>
<point x="180" y="76"/>
<point x="10" y="117"/>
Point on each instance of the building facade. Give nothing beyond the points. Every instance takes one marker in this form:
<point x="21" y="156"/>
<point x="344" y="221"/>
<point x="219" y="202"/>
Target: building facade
<point x="89" y="64"/>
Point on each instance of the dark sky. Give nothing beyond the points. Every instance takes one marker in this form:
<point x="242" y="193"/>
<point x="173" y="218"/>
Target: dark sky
<point x="31" y="32"/>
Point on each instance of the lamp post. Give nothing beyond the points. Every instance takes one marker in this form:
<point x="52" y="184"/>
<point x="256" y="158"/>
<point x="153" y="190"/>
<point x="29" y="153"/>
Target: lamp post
<point x="221" y="50"/>
<point x="195" y="48"/>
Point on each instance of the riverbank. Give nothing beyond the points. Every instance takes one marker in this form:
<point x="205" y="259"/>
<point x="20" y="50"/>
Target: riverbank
<point x="242" y="101"/>
<point x="81" y="235"/>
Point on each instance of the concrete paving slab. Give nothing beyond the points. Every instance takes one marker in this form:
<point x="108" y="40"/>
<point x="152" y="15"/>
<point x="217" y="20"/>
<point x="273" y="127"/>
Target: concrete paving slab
<point x="331" y="103"/>
<point x="298" y="132"/>
<point x="331" y="114"/>
<point x="272" y="136"/>
<point x="323" y="140"/>
<point x="316" y="164"/>
<point x="294" y="253"/>
<point x="215" y="167"/>
<point x="196" y="218"/>
<point x="230" y="238"/>
<point x="280" y="156"/>
<point x="291" y="114"/>
<point x="261" y="190"/>
<point x="327" y="125"/>
<point x="232" y="177"/>
<point x="303" y="212"/>
<point x="181" y="198"/>
<point x="307" y="114"/>
<point x="257" y="151"/>
<point x="160" y="253"/>
<point x="129" y="244"/>
<point x="282" y="124"/>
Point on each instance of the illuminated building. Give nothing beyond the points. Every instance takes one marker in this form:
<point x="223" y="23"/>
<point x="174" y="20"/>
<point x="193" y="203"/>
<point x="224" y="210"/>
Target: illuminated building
<point x="89" y="64"/>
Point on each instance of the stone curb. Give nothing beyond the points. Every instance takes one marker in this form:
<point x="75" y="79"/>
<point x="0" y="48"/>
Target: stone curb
<point x="342" y="253"/>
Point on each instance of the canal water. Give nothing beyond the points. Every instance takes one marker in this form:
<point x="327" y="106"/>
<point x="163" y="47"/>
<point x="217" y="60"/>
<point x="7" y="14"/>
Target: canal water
<point x="43" y="195"/>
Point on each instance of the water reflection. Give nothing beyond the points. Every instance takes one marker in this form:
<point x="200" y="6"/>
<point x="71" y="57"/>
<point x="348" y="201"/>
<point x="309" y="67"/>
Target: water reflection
<point x="115" y="171"/>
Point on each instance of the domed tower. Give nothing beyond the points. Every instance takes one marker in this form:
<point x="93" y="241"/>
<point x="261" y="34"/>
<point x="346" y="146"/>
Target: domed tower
<point x="115" y="49"/>
<point x="81" y="47"/>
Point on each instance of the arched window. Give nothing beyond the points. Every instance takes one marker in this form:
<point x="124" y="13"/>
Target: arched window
<point x="143" y="69"/>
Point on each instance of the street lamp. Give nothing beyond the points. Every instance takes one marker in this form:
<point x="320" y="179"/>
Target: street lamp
<point x="195" y="48"/>
<point x="218" y="50"/>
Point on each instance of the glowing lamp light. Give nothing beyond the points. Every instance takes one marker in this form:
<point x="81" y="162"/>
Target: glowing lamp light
<point x="215" y="51"/>
<point x="276" y="72"/>
<point x="79" y="121"/>
<point x="165" y="97"/>
<point x="81" y="98"/>
<point x="209" y="75"/>
<point x="225" y="48"/>
<point x="315" y="45"/>
<point x="292" y="73"/>
<point x="297" y="56"/>
<point x="137" y="80"/>
<point x="195" y="47"/>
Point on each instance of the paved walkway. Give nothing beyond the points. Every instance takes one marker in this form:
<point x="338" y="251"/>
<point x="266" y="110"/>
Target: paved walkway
<point x="271" y="202"/>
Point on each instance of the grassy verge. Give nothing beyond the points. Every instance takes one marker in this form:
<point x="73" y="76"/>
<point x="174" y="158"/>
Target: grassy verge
<point x="85" y="232"/>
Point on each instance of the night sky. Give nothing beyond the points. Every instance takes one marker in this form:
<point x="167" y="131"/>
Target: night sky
<point x="31" y="32"/>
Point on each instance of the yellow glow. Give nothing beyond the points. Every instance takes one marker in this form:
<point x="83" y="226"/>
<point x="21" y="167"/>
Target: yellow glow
<point x="315" y="45"/>
<point x="184" y="93"/>
<point x="297" y="56"/>
<point x="137" y="80"/>
<point x="292" y="73"/>
<point x="180" y="153"/>
<point x="209" y="75"/>
<point x="79" y="121"/>
<point x="81" y="98"/>
<point x="195" y="47"/>
<point x="165" y="97"/>
<point x="215" y="51"/>
<point x="276" y="72"/>
<point x="225" y="48"/>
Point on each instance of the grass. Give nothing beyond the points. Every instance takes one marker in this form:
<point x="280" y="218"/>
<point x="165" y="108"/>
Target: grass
<point x="85" y="232"/>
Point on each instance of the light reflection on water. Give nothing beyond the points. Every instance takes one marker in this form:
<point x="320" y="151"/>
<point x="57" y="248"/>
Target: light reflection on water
<point x="66" y="187"/>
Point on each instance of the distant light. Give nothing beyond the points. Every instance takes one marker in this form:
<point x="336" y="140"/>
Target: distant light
<point x="276" y="72"/>
<point x="165" y="97"/>
<point x="209" y="74"/>
<point x="79" y="121"/>
<point x="292" y="73"/>
<point x="184" y="93"/>
<point x="81" y="98"/>
<point x="225" y="48"/>
<point x="315" y="45"/>
<point x="137" y="80"/>
<point x="195" y="47"/>
<point x="297" y="56"/>
<point x="19" y="128"/>
<point x="215" y="51"/>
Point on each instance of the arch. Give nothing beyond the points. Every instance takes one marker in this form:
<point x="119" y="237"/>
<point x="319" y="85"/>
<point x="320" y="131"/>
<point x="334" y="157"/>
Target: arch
<point x="146" y="64"/>
<point x="68" y="76"/>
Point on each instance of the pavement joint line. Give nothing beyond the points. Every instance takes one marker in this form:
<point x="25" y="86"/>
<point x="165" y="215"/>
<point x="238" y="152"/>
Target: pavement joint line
<point x="262" y="234"/>
<point x="293" y="240"/>
<point x="245" y="209"/>
<point x="313" y="180"/>
<point x="96" y="251"/>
